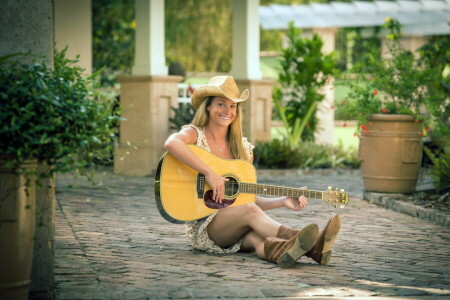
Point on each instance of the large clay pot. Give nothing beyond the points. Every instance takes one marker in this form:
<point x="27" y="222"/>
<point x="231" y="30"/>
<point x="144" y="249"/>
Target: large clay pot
<point x="391" y="153"/>
<point x="17" y="223"/>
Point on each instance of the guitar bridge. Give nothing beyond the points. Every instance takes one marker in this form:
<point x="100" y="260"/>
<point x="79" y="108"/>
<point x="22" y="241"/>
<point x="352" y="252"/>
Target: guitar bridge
<point x="200" y="185"/>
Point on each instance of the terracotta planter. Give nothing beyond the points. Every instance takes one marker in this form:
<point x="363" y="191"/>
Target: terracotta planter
<point x="17" y="223"/>
<point x="391" y="154"/>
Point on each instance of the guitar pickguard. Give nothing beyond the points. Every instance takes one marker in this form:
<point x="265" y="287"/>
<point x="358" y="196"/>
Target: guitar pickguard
<point x="209" y="202"/>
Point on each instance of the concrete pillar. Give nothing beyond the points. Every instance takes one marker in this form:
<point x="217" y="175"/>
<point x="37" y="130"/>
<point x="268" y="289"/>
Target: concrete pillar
<point x="258" y="109"/>
<point x="146" y="96"/>
<point x="146" y="107"/>
<point x="27" y="27"/>
<point x="245" y="63"/>
<point x="246" y="71"/>
<point x="325" y="112"/>
<point x="150" y="52"/>
<point x="43" y="268"/>
<point x="73" y="28"/>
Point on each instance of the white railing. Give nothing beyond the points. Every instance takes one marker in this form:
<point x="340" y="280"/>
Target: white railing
<point x="184" y="92"/>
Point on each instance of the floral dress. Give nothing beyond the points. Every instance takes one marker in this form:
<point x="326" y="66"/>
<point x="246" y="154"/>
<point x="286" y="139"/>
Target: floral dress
<point x="196" y="232"/>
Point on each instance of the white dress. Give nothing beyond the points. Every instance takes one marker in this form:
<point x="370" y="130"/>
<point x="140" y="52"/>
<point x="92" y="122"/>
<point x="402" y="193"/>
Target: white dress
<point x="196" y="232"/>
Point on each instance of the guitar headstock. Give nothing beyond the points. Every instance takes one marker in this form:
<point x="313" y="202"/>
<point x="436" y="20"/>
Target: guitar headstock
<point x="335" y="197"/>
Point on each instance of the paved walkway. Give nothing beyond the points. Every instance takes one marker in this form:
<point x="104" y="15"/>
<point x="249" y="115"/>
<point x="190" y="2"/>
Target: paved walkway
<point x="111" y="243"/>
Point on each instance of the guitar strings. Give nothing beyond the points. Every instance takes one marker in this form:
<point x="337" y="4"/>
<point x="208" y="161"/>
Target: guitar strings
<point x="233" y="186"/>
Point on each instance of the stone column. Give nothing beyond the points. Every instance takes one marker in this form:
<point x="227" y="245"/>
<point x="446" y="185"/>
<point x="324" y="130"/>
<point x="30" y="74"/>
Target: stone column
<point x="43" y="268"/>
<point x="325" y="113"/>
<point x="73" y="28"/>
<point x="146" y="107"/>
<point x="258" y="109"/>
<point x="27" y="27"/>
<point x="149" y="55"/>
<point x="146" y="96"/>
<point x="246" y="70"/>
<point x="245" y="22"/>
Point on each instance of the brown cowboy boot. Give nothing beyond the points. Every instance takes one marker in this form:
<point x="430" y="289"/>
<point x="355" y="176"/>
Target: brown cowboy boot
<point x="321" y="252"/>
<point x="286" y="252"/>
<point x="286" y="233"/>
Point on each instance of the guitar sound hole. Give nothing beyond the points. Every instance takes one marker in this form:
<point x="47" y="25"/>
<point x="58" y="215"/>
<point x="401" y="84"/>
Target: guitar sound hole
<point x="231" y="190"/>
<point x="231" y="187"/>
<point x="210" y="203"/>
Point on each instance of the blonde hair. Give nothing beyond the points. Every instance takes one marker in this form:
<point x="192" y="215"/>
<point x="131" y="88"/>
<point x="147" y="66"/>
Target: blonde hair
<point x="234" y="135"/>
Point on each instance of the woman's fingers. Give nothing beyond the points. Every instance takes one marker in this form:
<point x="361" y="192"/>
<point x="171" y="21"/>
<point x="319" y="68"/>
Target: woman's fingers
<point x="219" y="190"/>
<point x="302" y="199"/>
<point x="219" y="194"/>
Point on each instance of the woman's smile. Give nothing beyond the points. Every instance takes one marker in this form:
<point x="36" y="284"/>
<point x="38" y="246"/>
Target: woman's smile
<point x="222" y="110"/>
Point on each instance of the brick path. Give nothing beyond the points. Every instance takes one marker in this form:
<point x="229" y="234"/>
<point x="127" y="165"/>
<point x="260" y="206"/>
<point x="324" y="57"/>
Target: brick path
<point x="111" y="243"/>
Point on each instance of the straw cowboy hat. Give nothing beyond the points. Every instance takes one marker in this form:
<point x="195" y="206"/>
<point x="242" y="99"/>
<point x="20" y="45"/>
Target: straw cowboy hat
<point x="220" y="86"/>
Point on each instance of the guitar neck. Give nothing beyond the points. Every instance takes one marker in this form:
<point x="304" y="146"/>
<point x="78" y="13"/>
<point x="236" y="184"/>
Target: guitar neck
<point x="273" y="190"/>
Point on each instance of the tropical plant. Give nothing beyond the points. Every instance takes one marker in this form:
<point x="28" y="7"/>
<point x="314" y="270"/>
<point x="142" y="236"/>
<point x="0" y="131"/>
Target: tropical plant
<point x="53" y="115"/>
<point x="399" y="83"/>
<point x="440" y="170"/>
<point x="304" y="72"/>
<point x="183" y="114"/>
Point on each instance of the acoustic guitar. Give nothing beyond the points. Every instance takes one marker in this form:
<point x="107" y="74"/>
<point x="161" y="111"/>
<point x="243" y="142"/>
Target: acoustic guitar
<point x="183" y="195"/>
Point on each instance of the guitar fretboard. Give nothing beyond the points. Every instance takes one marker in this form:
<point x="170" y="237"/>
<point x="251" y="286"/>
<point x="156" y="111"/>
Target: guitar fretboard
<point x="273" y="190"/>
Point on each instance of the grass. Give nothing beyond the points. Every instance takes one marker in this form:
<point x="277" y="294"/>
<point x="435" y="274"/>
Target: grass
<point x="344" y="135"/>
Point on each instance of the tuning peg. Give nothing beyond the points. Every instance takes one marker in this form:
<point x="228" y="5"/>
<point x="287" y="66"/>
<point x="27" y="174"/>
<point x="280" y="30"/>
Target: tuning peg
<point x="330" y="188"/>
<point x="342" y="190"/>
<point x="342" y="206"/>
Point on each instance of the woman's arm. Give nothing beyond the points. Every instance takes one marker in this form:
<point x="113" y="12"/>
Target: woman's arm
<point x="292" y="203"/>
<point x="177" y="143"/>
<point x="270" y="203"/>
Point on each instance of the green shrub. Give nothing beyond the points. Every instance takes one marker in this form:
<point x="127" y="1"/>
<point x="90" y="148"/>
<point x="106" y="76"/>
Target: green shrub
<point x="401" y="83"/>
<point x="53" y="115"/>
<point x="277" y="154"/>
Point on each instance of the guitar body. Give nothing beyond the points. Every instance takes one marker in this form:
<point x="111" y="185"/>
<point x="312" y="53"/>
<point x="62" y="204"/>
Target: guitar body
<point x="183" y="195"/>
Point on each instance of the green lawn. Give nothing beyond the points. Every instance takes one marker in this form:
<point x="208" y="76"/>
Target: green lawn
<point x="345" y="135"/>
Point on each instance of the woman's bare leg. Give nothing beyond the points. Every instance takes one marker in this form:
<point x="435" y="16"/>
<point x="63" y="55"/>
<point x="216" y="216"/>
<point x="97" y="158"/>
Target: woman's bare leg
<point x="253" y="242"/>
<point x="232" y="223"/>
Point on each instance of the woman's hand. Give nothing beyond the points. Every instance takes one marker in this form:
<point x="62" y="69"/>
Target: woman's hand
<point x="296" y="203"/>
<point x="217" y="184"/>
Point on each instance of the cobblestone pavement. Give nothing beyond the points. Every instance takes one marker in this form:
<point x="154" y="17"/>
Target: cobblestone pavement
<point x="111" y="243"/>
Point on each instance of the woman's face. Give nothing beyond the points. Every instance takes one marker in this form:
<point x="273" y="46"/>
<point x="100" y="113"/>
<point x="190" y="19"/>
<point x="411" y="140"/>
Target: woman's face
<point x="222" y="111"/>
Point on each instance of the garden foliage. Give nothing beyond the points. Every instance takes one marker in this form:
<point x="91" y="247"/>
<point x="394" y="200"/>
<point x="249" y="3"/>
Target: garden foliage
<point x="113" y="38"/>
<point x="304" y="72"/>
<point x="440" y="169"/>
<point x="53" y="115"/>
<point x="278" y="154"/>
<point x="183" y="114"/>
<point x="399" y="83"/>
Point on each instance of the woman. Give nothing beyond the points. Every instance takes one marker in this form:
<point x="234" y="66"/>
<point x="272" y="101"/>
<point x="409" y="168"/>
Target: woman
<point x="217" y="128"/>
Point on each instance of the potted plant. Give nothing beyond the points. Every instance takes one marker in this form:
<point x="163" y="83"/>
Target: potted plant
<point x="391" y="107"/>
<point x="48" y="116"/>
